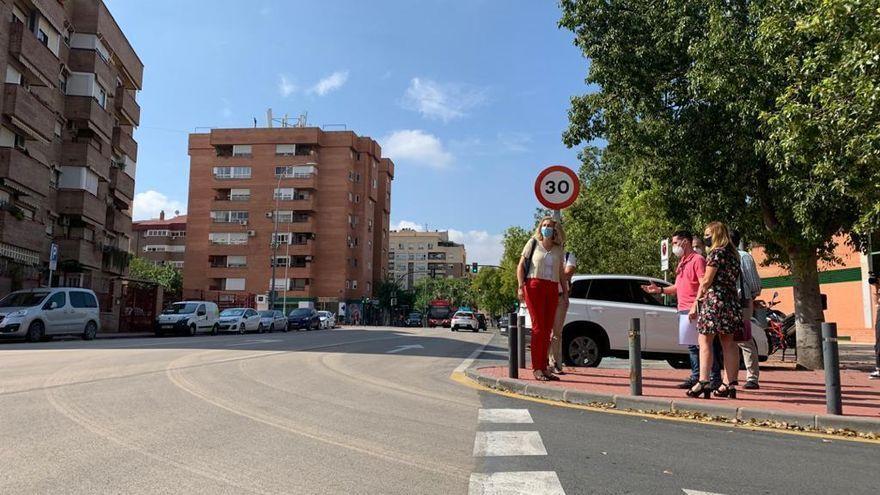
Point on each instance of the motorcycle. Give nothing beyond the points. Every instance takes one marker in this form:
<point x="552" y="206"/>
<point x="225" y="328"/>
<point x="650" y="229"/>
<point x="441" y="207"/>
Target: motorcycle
<point x="781" y="329"/>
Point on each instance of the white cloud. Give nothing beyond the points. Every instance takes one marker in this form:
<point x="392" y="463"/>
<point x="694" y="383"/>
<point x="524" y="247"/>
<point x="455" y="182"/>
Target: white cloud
<point x="148" y="204"/>
<point x="481" y="246"/>
<point x="406" y="224"/>
<point x="330" y="83"/>
<point x="441" y="101"/>
<point x="417" y="147"/>
<point x="286" y="86"/>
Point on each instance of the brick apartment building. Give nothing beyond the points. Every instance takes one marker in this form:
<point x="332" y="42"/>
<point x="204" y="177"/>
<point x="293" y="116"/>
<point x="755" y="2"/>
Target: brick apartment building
<point x="160" y="240"/>
<point x="67" y="156"/>
<point x="414" y="255"/>
<point x="333" y="196"/>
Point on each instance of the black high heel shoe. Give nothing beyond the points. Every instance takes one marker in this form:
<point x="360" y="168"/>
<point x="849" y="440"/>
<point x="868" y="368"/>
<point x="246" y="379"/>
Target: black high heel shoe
<point x="729" y="391"/>
<point x="704" y="390"/>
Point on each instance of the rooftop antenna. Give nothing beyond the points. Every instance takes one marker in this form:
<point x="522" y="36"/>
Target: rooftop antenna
<point x="269" y="117"/>
<point x="284" y="121"/>
<point x="302" y="120"/>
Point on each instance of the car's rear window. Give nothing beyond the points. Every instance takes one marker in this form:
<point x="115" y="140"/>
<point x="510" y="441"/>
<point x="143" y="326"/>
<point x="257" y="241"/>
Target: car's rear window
<point x="80" y="299"/>
<point x="464" y="315"/>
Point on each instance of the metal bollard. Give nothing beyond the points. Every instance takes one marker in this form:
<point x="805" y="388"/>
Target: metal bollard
<point x="521" y="325"/>
<point x="832" y="369"/>
<point x="635" y="357"/>
<point x="512" y="347"/>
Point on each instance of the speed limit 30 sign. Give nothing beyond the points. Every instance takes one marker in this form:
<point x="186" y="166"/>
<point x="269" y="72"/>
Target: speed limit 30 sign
<point x="557" y="187"/>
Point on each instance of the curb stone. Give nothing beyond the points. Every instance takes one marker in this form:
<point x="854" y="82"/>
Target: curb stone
<point x="792" y="418"/>
<point x="856" y="424"/>
<point x="642" y="403"/>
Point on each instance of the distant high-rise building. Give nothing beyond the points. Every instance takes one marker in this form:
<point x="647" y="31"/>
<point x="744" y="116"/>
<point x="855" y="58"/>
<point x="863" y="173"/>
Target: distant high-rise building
<point x="67" y="155"/>
<point x="328" y="192"/>
<point x="413" y="255"/>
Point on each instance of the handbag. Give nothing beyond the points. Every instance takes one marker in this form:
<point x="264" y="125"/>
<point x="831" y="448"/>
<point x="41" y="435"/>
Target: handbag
<point x="744" y="332"/>
<point x="527" y="266"/>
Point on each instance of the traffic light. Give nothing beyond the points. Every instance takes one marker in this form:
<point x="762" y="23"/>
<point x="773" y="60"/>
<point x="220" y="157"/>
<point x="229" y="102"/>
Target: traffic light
<point x="474" y="267"/>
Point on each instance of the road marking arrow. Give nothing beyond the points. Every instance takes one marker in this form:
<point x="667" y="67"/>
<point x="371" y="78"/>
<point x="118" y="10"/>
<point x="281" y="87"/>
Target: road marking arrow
<point x="696" y="492"/>
<point x="401" y="348"/>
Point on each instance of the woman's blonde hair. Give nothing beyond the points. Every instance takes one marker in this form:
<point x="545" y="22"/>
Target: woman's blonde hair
<point x="558" y="233"/>
<point x="720" y="237"/>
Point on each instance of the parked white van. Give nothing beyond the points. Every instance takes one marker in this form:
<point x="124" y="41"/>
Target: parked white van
<point x="40" y="314"/>
<point x="189" y="317"/>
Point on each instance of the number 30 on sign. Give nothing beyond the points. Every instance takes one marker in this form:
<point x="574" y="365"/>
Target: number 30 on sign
<point x="557" y="187"/>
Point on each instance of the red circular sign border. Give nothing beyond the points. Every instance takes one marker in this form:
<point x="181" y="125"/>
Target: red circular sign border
<point x="565" y="170"/>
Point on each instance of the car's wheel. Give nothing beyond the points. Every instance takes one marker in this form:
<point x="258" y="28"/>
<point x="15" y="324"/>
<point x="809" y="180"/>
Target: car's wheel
<point x="241" y="329"/>
<point x="271" y="328"/>
<point x="36" y="331"/>
<point x="193" y="330"/>
<point x="286" y="328"/>
<point x="681" y="363"/>
<point x="91" y="331"/>
<point x="260" y="328"/>
<point x="475" y="330"/>
<point x="584" y="350"/>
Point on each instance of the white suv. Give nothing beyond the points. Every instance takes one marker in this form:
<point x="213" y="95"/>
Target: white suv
<point x="464" y="319"/>
<point x="38" y="314"/>
<point x="600" y="310"/>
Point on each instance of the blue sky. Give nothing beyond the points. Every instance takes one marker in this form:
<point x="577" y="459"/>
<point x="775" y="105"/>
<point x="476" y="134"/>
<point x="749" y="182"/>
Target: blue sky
<point x="468" y="97"/>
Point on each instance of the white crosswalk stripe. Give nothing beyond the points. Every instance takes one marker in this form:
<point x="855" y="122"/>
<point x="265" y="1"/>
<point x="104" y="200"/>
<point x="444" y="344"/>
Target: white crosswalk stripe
<point x="519" y="416"/>
<point x="508" y="443"/>
<point x="515" y="483"/>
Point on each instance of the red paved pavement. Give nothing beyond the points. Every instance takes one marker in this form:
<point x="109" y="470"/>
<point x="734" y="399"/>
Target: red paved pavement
<point x="781" y="390"/>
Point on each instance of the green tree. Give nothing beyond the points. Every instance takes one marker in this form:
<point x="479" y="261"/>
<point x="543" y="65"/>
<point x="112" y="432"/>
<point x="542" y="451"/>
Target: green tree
<point x="489" y="293"/>
<point x="167" y="276"/>
<point x="761" y="114"/>
<point x="455" y="290"/>
<point x="514" y="239"/>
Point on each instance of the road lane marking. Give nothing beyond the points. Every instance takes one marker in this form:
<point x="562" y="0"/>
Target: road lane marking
<point x="508" y="443"/>
<point x="505" y="416"/>
<point x="515" y="483"/>
<point x="402" y="348"/>
<point x="697" y="492"/>
<point x="470" y="359"/>
<point x="258" y="341"/>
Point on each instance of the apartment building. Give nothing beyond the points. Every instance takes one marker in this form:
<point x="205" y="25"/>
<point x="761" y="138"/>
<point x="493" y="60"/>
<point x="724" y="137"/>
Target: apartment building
<point x="414" y="255"/>
<point x="67" y="155"/>
<point x="329" y="193"/>
<point x="160" y="240"/>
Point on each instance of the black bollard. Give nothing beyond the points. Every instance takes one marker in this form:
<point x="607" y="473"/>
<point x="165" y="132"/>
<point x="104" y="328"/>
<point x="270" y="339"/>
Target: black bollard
<point x="635" y="357"/>
<point x="521" y="324"/>
<point x="833" y="402"/>
<point x="512" y="347"/>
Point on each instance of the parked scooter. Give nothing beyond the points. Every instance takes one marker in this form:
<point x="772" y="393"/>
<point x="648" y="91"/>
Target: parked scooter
<point x="781" y="330"/>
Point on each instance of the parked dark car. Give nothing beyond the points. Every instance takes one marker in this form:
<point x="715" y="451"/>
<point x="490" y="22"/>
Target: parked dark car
<point x="481" y="319"/>
<point x="303" y="319"/>
<point x="413" y="320"/>
<point x="503" y="323"/>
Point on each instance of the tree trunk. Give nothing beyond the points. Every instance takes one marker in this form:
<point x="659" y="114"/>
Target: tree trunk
<point x="807" y="308"/>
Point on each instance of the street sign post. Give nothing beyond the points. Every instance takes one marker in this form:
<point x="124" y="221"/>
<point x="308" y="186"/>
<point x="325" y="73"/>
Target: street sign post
<point x="53" y="261"/>
<point x="664" y="255"/>
<point x="557" y="187"/>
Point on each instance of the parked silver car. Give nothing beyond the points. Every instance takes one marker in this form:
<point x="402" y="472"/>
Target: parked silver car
<point x="240" y="320"/>
<point x="328" y="319"/>
<point x="39" y="314"/>
<point x="273" y="320"/>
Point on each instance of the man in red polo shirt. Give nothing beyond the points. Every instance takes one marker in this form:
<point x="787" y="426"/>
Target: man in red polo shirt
<point x="690" y="269"/>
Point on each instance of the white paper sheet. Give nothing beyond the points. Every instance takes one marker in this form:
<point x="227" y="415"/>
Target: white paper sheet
<point x="687" y="330"/>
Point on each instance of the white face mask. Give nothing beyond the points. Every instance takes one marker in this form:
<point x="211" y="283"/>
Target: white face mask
<point x="677" y="251"/>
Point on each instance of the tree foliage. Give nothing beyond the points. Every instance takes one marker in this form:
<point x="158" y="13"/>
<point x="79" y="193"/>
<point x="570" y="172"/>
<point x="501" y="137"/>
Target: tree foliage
<point x="455" y="290"/>
<point x="167" y="276"/>
<point x="765" y="115"/>
<point x="489" y="293"/>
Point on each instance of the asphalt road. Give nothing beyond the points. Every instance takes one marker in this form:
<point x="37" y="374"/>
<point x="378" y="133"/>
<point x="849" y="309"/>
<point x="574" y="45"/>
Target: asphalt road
<point x="355" y="411"/>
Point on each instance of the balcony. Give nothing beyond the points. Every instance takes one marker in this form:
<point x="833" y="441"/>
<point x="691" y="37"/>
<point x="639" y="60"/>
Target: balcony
<point x="304" y="249"/>
<point x="29" y="113"/>
<point x="83" y="203"/>
<point x="34" y="55"/>
<point x="302" y="181"/>
<point x="301" y="226"/>
<point x="90" y="61"/>
<point x="85" y="252"/>
<point x="86" y="153"/>
<point x="299" y="204"/>
<point x="23" y="173"/>
<point x="117" y="221"/>
<point x="128" y="109"/>
<point x="124" y="142"/>
<point x="86" y="108"/>
<point x="23" y="233"/>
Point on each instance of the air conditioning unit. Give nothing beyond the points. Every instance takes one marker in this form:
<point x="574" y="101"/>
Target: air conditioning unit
<point x="268" y="214"/>
<point x="252" y="233"/>
<point x="243" y="222"/>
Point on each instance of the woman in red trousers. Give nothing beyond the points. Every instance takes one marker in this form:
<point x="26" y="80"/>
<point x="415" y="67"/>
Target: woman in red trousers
<point x="539" y="274"/>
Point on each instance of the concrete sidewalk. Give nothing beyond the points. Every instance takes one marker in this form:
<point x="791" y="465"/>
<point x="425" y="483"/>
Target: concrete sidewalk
<point x="794" y="397"/>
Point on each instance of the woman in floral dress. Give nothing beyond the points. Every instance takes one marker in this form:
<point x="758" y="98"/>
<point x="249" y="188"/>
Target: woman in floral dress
<point x="718" y="310"/>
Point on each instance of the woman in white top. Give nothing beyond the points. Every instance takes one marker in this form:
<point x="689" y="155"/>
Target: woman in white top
<point x="539" y="274"/>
